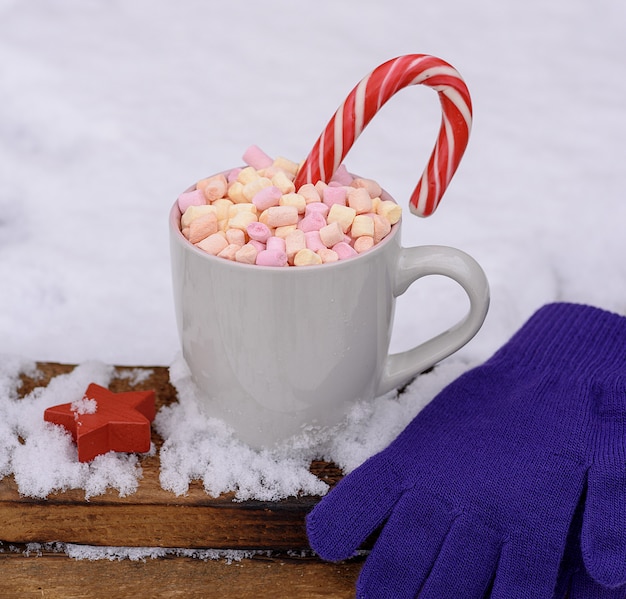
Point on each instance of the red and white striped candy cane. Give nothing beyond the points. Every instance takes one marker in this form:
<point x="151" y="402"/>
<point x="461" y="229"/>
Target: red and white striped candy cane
<point x="370" y="95"/>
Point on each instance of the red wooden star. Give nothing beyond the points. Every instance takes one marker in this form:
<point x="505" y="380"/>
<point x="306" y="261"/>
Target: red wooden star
<point x="106" y="421"/>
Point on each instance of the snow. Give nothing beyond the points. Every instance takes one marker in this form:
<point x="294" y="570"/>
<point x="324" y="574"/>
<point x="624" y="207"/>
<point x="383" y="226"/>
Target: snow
<point x="110" y="109"/>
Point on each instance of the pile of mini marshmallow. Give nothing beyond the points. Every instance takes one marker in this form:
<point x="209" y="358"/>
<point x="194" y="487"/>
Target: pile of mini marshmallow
<point x="255" y="215"/>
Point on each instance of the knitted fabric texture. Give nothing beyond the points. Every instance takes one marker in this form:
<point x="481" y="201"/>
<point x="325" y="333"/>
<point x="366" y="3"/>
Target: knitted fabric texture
<point x="476" y="496"/>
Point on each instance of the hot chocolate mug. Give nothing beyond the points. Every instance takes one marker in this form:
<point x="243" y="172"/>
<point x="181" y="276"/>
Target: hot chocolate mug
<point x="274" y="351"/>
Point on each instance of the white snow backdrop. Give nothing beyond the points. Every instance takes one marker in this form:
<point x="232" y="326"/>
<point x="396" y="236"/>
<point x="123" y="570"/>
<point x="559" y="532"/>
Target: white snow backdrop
<point x="109" y="109"/>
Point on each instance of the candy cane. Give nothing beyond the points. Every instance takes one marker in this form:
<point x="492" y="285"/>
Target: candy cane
<point x="370" y="95"/>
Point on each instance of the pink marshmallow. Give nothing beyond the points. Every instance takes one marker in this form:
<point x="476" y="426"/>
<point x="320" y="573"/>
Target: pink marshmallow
<point x="342" y="175"/>
<point x="190" y="198"/>
<point x="313" y="241"/>
<point x="344" y="250"/>
<point x="257" y="158"/>
<point x="312" y="222"/>
<point x="267" y="197"/>
<point x="232" y="175"/>
<point x="319" y="207"/>
<point x="257" y="244"/>
<point x="334" y="195"/>
<point x="258" y="232"/>
<point x="275" y="244"/>
<point x="271" y="258"/>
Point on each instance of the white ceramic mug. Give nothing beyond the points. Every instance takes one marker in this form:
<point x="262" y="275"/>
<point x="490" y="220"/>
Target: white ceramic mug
<point x="276" y="350"/>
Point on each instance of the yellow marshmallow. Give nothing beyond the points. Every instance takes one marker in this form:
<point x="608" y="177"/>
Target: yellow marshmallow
<point x="235" y="192"/>
<point x="362" y="225"/>
<point x="194" y="212"/>
<point x="293" y="199"/>
<point x="246" y="175"/>
<point x="306" y="257"/>
<point x="286" y="165"/>
<point x="241" y="220"/>
<point x="390" y="210"/>
<point x="253" y="187"/>
<point x="222" y="206"/>
<point x="285" y="230"/>
<point x="283" y="182"/>
<point x="344" y="215"/>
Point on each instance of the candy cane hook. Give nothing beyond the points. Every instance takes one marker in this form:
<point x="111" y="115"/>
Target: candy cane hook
<point x="366" y="99"/>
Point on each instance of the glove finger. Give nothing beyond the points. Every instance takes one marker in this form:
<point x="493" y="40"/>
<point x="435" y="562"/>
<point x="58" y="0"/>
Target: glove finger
<point x="466" y="563"/>
<point x="527" y="568"/>
<point x="603" y="537"/>
<point x="584" y="587"/>
<point x="406" y="549"/>
<point x="341" y="522"/>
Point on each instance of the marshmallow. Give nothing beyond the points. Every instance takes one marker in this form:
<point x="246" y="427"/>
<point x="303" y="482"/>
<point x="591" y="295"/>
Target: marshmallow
<point x="390" y="210"/>
<point x="373" y="189"/>
<point x="283" y="231"/>
<point x="213" y="188"/>
<point x="278" y="216"/>
<point x="344" y="215"/>
<point x="293" y="199"/>
<point x="283" y="182"/>
<point x="314" y="241"/>
<point x="294" y="242"/>
<point x="342" y="176"/>
<point x="334" y="195"/>
<point x="318" y="207"/>
<point x="331" y="234"/>
<point x="362" y="225"/>
<point x="382" y="227"/>
<point x="257" y="244"/>
<point x="256" y="158"/>
<point x="241" y="220"/>
<point x="194" y="212"/>
<point x="344" y="250"/>
<point x="190" y="198"/>
<point x="276" y="244"/>
<point x="229" y="252"/>
<point x="236" y="236"/>
<point x="247" y="174"/>
<point x="271" y="258"/>
<point x="253" y="187"/>
<point x="327" y="255"/>
<point x="247" y="254"/>
<point x="213" y="244"/>
<point x="235" y="192"/>
<point x="267" y="197"/>
<point x="363" y="243"/>
<point x="312" y="222"/>
<point x="222" y="206"/>
<point x="306" y="257"/>
<point x="360" y="200"/>
<point x="285" y="164"/>
<point x="258" y="232"/>
<point x="202" y="227"/>
<point x="310" y="193"/>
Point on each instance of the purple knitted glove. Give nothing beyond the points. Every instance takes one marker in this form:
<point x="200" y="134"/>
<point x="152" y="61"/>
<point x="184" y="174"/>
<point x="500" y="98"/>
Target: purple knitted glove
<point x="476" y="495"/>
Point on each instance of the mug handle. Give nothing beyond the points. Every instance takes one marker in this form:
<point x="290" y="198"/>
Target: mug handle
<point x="413" y="264"/>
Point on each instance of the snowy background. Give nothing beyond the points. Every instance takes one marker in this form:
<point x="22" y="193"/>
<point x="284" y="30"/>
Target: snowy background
<point x="110" y="109"/>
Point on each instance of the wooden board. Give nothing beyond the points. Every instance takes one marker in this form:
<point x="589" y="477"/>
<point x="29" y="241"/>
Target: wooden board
<point x="152" y="517"/>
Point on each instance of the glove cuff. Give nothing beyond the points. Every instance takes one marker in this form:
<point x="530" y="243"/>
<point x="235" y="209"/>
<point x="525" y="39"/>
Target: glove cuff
<point x="574" y="339"/>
